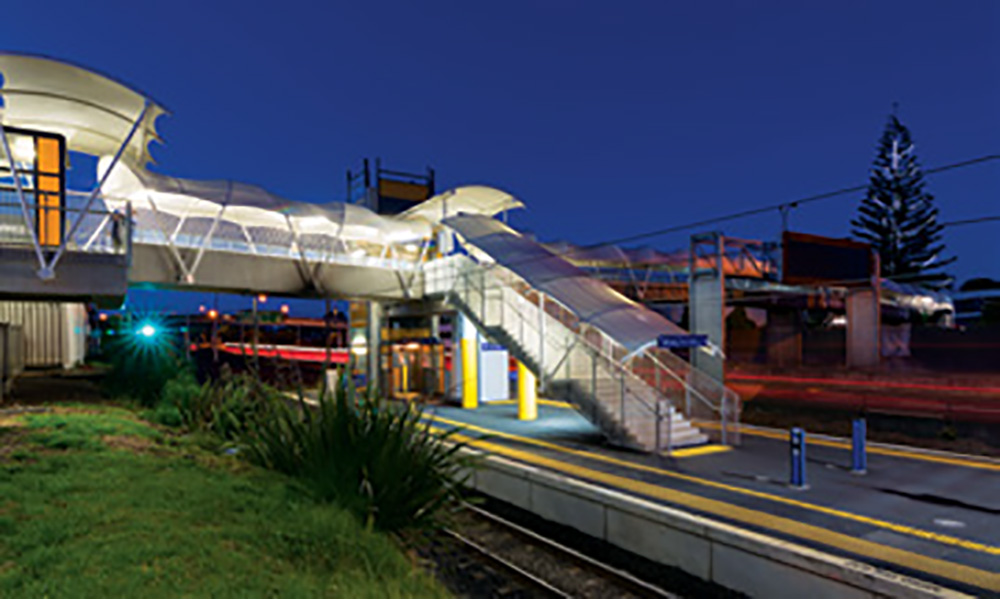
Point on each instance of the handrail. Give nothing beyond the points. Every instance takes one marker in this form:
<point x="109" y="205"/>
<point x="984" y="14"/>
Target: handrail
<point x="608" y="361"/>
<point x="687" y="385"/>
<point x="611" y="359"/>
<point x="495" y="276"/>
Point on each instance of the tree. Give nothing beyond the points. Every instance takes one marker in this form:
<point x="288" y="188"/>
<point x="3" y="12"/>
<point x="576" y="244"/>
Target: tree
<point x="898" y="217"/>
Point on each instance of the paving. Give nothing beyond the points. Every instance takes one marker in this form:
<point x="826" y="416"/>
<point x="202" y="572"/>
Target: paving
<point x="925" y="515"/>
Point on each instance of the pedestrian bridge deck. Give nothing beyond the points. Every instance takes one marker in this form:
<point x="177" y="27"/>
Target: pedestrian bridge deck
<point x="927" y="515"/>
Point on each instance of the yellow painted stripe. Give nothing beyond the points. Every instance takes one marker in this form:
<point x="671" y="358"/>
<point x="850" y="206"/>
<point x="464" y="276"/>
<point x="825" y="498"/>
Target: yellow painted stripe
<point x="898" y="528"/>
<point x="896" y="453"/>
<point x="556" y="404"/>
<point x="907" y="559"/>
<point x="542" y="402"/>
<point x="888" y="451"/>
<point x="697" y="451"/>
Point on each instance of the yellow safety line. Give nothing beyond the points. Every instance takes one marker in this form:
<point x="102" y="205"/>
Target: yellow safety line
<point x="898" y="528"/>
<point x="697" y="451"/>
<point x="908" y="559"/>
<point x="541" y="402"/>
<point x="896" y="453"/>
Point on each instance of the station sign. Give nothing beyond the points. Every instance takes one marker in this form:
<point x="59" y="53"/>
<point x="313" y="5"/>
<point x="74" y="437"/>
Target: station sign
<point x="681" y="341"/>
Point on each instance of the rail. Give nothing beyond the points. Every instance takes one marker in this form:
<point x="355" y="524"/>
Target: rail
<point x="103" y="229"/>
<point x="96" y="232"/>
<point x="586" y="354"/>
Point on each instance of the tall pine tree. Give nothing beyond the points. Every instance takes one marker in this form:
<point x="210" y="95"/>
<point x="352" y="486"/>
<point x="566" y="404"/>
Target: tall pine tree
<point x="898" y="217"/>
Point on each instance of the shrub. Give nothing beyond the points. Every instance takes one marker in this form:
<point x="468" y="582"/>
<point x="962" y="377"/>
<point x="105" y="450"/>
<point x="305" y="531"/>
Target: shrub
<point x="381" y="463"/>
<point x="226" y="406"/>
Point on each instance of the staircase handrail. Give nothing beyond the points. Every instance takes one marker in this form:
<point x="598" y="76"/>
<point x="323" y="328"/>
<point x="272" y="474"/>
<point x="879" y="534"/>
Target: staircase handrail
<point x="500" y="273"/>
<point x="634" y="381"/>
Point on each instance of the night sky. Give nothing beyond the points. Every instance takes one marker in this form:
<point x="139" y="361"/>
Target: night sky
<point x="606" y="119"/>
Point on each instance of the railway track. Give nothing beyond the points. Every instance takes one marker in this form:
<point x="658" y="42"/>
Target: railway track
<point x="542" y="567"/>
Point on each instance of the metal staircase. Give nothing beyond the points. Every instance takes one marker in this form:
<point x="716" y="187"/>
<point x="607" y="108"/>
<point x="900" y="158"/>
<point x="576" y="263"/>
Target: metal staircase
<point x="637" y="402"/>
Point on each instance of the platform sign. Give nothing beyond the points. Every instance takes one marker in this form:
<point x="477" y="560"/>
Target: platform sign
<point x="681" y="341"/>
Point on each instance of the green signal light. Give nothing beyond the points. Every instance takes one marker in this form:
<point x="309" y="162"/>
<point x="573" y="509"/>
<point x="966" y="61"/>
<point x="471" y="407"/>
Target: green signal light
<point x="147" y="331"/>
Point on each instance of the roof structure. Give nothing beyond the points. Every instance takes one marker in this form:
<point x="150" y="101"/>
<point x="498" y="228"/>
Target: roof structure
<point x="93" y="112"/>
<point x="629" y="323"/>
<point x="251" y="206"/>
<point x="469" y="199"/>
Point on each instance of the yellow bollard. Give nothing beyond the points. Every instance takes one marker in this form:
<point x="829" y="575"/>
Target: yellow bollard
<point x="470" y="375"/>
<point x="527" y="395"/>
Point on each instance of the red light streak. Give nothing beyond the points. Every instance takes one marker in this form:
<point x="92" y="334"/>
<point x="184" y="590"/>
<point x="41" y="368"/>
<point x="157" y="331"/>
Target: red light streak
<point x="857" y="383"/>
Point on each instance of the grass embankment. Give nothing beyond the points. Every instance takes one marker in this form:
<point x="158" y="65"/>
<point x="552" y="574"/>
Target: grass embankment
<point x="95" y="502"/>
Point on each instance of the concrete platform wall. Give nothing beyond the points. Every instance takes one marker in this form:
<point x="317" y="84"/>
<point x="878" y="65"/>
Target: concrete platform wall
<point x="752" y="563"/>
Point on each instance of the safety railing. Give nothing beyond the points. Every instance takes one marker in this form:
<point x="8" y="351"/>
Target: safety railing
<point x="649" y="385"/>
<point x="99" y="230"/>
<point x="221" y="235"/>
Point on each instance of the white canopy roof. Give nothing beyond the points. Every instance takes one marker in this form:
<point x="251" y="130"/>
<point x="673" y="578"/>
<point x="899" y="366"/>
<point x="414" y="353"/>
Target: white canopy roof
<point x="630" y="324"/>
<point x="93" y="112"/>
<point x="469" y="199"/>
<point x="251" y="206"/>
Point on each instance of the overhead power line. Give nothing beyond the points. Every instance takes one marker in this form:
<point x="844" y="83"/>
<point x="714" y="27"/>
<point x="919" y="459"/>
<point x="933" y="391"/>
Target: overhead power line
<point x="786" y="205"/>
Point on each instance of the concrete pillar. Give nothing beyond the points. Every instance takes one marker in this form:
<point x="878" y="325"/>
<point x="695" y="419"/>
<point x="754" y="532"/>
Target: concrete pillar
<point x="863" y="323"/>
<point x="707" y="301"/>
<point x="527" y="394"/>
<point x="437" y="376"/>
<point x="374" y="334"/>
<point x="784" y="338"/>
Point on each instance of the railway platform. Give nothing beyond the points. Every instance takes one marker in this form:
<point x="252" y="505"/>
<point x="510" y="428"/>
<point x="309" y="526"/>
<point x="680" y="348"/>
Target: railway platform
<point x="929" y="518"/>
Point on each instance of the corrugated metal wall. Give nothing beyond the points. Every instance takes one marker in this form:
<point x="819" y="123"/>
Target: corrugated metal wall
<point x="55" y="334"/>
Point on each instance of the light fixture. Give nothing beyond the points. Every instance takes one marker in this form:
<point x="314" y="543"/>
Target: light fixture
<point x="23" y="149"/>
<point x="147" y="330"/>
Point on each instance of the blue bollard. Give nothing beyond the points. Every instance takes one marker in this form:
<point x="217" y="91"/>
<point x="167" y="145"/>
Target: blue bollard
<point x="859" y="451"/>
<point x="798" y="455"/>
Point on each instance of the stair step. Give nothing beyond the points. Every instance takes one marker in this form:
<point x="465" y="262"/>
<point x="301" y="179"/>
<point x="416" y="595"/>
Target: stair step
<point x="636" y="418"/>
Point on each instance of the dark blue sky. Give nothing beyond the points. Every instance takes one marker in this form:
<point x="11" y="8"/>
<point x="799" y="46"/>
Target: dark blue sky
<point x="606" y="119"/>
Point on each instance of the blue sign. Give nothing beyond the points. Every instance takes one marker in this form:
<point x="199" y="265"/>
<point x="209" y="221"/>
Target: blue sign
<point x="681" y="341"/>
<point x="486" y="346"/>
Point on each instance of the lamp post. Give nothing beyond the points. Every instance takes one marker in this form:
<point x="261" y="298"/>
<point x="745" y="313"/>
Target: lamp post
<point x="256" y="329"/>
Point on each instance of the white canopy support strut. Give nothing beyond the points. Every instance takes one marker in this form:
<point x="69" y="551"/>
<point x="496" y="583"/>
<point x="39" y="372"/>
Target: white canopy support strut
<point x="48" y="271"/>
<point x="20" y="196"/>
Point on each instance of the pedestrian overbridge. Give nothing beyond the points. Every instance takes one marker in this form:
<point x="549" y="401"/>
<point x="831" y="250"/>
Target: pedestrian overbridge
<point x="586" y="342"/>
<point x="142" y="228"/>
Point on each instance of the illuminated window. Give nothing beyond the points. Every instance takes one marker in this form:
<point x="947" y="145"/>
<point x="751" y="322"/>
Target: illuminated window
<point x="40" y="160"/>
